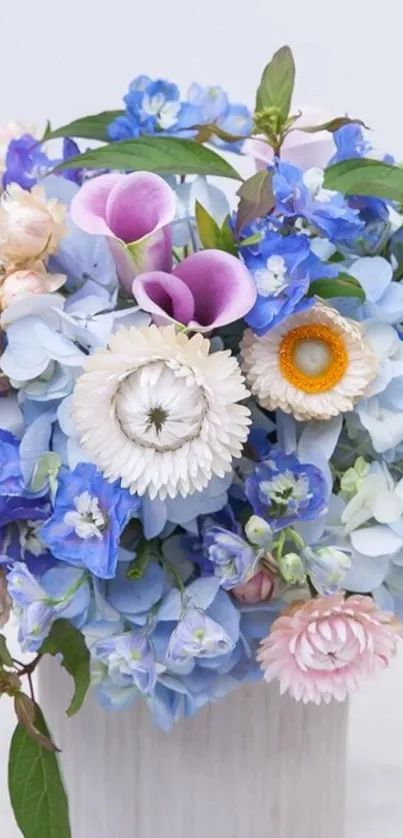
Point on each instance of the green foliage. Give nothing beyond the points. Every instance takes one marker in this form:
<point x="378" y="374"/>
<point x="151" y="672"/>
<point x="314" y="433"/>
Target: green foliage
<point x="146" y="551"/>
<point x="341" y="286"/>
<point x="36" y="788"/>
<point x="5" y="657"/>
<point x="277" y="83"/>
<point x="256" y="199"/>
<point x="167" y="155"/>
<point x="88" y="127"/>
<point x="366" y="177"/>
<point x="68" y="641"/>
<point x="212" y="236"/>
<point x="332" y="125"/>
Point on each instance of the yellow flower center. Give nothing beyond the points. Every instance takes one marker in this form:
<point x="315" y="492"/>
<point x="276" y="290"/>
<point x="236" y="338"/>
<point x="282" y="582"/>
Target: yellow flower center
<point x="313" y="357"/>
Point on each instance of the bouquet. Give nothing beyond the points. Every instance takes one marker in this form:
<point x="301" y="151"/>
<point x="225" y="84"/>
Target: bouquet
<point x="201" y="444"/>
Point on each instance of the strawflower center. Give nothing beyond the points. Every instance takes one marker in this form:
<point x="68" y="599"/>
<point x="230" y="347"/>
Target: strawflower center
<point x="313" y="358"/>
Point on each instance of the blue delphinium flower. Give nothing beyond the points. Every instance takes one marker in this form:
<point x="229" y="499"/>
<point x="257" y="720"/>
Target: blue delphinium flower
<point x="212" y="107"/>
<point x="233" y="559"/>
<point x="25" y="162"/>
<point x="282" y="269"/>
<point x="302" y="195"/>
<point x="89" y="515"/>
<point x="71" y="149"/>
<point x="60" y="592"/>
<point x="326" y="567"/>
<point x="20" y="542"/>
<point x="151" y="107"/>
<point x="350" y="143"/>
<point x="284" y="491"/>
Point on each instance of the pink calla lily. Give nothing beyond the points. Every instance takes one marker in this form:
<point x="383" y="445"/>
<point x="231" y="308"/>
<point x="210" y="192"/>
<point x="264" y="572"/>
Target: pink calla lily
<point x="208" y="289"/>
<point x="302" y="149"/>
<point x="134" y="211"/>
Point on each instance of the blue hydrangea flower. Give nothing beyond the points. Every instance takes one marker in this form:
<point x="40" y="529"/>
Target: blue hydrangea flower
<point x="25" y="162"/>
<point x="60" y="592"/>
<point x="129" y="660"/>
<point x="282" y="269"/>
<point x="234" y="560"/>
<point x="197" y="636"/>
<point x="89" y="515"/>
<point x="284" y="491"/>
<point x="302" y="195"/>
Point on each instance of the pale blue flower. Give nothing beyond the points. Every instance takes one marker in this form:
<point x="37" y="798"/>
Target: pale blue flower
<point x="327" y="568"/>
<point x="156" y="513"/>
<point x="384" y="297"/>
<point x="197" y="636"/>
<point x="129" y="660"/>
<point x="233" y="559"/>
<point x="60" y="593"/>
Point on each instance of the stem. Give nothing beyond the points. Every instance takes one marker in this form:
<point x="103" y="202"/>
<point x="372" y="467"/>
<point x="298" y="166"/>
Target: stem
<point x="169" y="568"/>
<point x="29" y="668"/>
<point x="31" y="687"/>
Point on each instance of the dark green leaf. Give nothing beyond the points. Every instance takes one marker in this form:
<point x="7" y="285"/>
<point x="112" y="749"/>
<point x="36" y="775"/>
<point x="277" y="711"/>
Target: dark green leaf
<point x="68" y="641"/>
<point x="366" y="177"/>
<point x="36" y="788"/>
<point x="25" y="709"/>
<point x="332" y="125"/>
<point x="256" y="199"/>
<point x="207" y="227"/>
<point x="5" y="657"/>
<point x="205" y="132"/>
<point x="226" y="238"/>
<point x="343" y="285"/>
<point x="88" y="127"/>
<point x="277" y="84"/>
<point x="167" y="155"/>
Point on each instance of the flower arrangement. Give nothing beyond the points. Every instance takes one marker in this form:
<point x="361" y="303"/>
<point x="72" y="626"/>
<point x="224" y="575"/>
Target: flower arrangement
<point x="201" y="411"/>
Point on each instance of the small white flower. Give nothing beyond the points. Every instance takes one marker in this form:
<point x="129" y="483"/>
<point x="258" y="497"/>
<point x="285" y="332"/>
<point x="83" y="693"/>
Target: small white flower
<point x="88" y="521"/>
<point x="158" y="412"/>
<point x="271" y="280"/>
<point x="284" y="486"/>
<point x="314" y="365"/>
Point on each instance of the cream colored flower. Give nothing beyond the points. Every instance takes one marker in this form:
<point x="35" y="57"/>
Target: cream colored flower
<point x="314" y="365"/>
<point x="158" y="412"/>
<point x="35" y="280"/>
<point x="30" y="225"/>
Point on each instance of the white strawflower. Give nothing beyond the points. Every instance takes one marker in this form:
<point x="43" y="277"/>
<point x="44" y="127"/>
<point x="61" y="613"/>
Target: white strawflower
<point x="30" y="225"/>
<point x="158" y="412"/>
<point x="314" y="365"/>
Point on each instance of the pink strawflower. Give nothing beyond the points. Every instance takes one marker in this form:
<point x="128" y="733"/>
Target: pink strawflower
<point x="325" y="648"/>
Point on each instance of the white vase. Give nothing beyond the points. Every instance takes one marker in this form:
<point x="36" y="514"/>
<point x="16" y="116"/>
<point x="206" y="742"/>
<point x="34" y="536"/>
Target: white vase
<point x="253" y="765"/>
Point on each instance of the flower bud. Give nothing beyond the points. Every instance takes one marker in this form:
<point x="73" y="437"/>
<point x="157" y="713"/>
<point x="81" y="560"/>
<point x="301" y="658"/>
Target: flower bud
<point x="258" y="589"/>
<point x="292" y="569"/>
<point x="30" y="226"/>
<point x="259" y="532"/>
<point x="25" y="283"/>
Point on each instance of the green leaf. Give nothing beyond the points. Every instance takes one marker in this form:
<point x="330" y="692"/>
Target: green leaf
<point x="256" y="199"/>
<point x="332" y="125"/>
<point x="5" y="657"/>
<point x="207" y="227"/>
<point x="37" y="794"/>
<point x="277" y="84"/>
<point x="255" y="239"/>
<point x="211" y="235"/>
<point x="366" y="177"/>
<point x="68" y="641"/>
<point x="88" y="127"/>
<point x="343" y="285"/>
<point x="167" y="155"/>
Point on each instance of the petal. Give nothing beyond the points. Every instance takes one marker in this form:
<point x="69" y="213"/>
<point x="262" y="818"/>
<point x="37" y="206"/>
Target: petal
<point x="374" y="275"/>
<point x="366" y="573"/>
<point x="88" y="207"/>
<point x="139" y="204"/>
<point x="164" y="295"/>
<point x="376" y="541"/>
<point x="222" y="288"/>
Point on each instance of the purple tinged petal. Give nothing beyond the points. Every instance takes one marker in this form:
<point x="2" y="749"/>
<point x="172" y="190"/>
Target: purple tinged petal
<point x="88" y="207"/>
<point x="222" y="287"/>
<point x="139" y="204"/>
<point x="165" y="296"/>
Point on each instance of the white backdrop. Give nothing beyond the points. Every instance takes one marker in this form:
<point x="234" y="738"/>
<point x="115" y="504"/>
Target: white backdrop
<point x="62" y="60"/>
